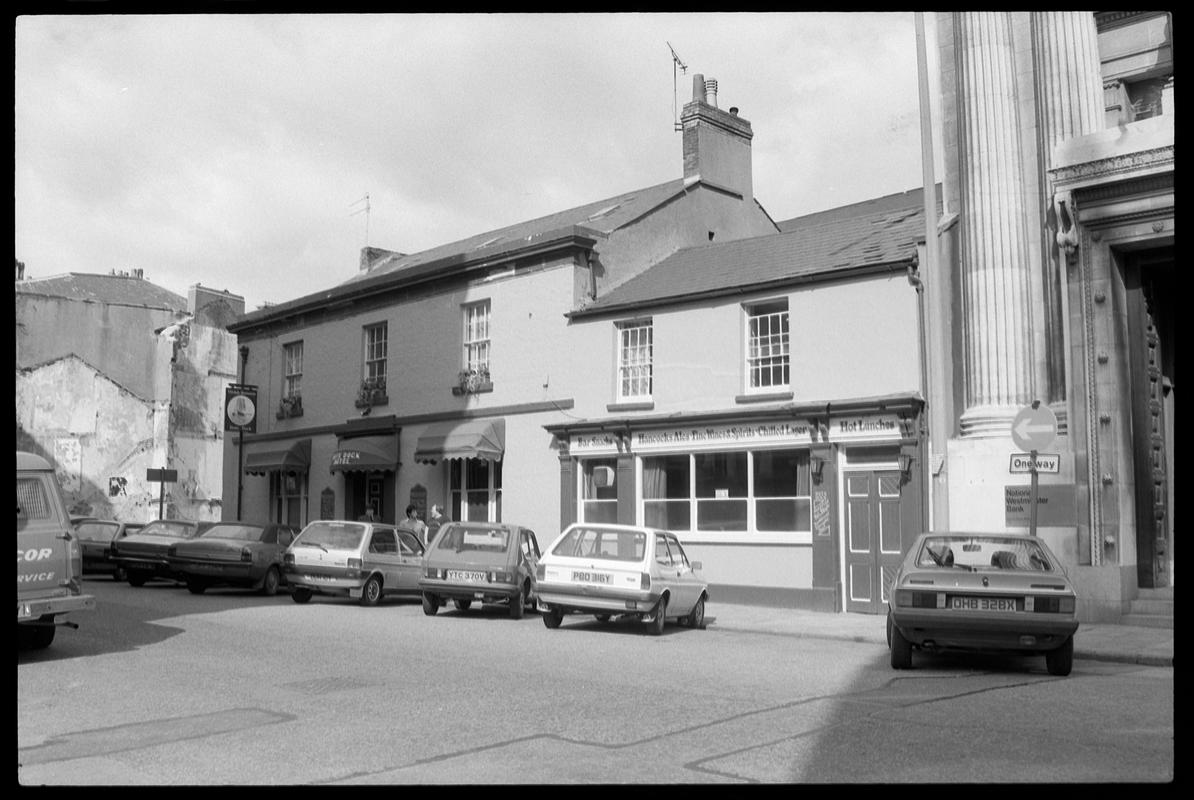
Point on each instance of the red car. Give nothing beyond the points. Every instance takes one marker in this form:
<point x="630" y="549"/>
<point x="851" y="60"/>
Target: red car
<point x="240" y="554"/>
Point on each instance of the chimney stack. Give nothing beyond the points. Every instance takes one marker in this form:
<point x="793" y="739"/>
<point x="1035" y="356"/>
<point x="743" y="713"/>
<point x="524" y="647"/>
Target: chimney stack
<point x="716" y="145"/>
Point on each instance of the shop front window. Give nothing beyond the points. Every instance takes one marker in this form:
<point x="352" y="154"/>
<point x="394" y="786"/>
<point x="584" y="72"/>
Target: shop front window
<point x="721" y="491"/>
<point x="599" y="490"/>
<point x="288" y="497"/>
<point x="667" y="494"/>
<point x="781" y="490"/>
<point x="475" y="489"/>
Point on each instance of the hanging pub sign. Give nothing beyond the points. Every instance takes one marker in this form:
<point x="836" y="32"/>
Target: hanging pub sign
<point x="240" y="408"/>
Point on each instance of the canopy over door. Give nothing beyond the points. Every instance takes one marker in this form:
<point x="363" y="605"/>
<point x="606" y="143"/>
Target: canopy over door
<point x="366" y="454"/>
<point x="474" y="438"/>
<point x="264" y="458"/>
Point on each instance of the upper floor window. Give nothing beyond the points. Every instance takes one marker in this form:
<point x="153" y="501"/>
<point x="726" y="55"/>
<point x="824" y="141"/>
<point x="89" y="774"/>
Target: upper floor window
<point x="635" y="360"/>
<point x="476" y="336"/>
<point x="376" y="349"/>
<point x="293" y="385"/>
<point x="767" y="359"/>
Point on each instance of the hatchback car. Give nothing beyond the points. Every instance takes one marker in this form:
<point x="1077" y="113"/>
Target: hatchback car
<point x="233" y="554"/>
<point x="143" y="555"/>
<point x="997" y="592"/>
<point x="620" y="571"/>
<point x="362" y="560"/>
<point x="486" y="562"/>
<point x="95" y="539"/>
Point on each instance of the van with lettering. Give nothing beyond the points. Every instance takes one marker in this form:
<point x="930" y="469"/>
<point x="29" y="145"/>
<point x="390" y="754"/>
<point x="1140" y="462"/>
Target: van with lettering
<point x="49" y="560"/>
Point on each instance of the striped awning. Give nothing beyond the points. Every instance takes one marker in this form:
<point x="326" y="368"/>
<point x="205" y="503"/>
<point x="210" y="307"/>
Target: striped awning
<point x="266" y="457"/>
<point x="366" y="454"/>
<point x="474" y="438"/>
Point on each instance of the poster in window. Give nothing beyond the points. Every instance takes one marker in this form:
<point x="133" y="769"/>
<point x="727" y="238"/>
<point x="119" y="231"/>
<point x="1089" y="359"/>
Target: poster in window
<point x="821" y="513"/>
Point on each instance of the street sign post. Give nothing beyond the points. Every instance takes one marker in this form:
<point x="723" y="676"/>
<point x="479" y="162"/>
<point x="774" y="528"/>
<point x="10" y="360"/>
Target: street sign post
<point x="1034" y="428"/>
<point x="162" y="476"/>
<point x="240" y="414"/>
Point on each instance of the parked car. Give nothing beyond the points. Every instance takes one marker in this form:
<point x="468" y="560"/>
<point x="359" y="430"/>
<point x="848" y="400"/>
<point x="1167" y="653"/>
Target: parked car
<point x="362" y="560"/>
<point x="143" y="555"/>
<point x="95" y="539"/>
<point x="996" y="592"/>
<point x="49" y="562"/>
<point x="233" y="554"/>
<point x="486" y="562"/>
<point x="620" y="571"/>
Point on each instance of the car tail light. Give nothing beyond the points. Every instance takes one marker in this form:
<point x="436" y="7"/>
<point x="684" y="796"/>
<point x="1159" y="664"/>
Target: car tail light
<point x="907" y="599"/>
<point x="1053" y="605"/>
<point x="433" y="572"/>
<point x="540" y="572"/>
<point x="246" y="553"/>
<point x="500" y="577"/>
<point x="288" y="559"/>
<point x="644" y="581"/>
<point x="354" y="567"/>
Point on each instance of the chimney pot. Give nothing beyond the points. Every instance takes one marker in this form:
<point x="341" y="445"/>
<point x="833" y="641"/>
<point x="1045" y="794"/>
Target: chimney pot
<point x="734" y="110"/>
<point x="711" y="92"/>
<point x="698" y="88"/>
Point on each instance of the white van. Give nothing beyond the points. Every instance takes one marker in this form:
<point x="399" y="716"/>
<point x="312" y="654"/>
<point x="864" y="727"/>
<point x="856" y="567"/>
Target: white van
<point x="49" y="560"/>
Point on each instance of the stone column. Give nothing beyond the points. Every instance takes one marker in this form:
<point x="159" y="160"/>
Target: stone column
<point x="1069" y="103"/>
<point x="997" y="323"/>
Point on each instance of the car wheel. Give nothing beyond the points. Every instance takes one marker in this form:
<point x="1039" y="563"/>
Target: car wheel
<point x="269" y="586"/>
<point x="518" y="604"/>
<point x="430" y="604"/>
<point x="901" y="650"/>
<point x="1061" y="660"/>
<point x="196" y="586"/>
<point x="655" y="626"/>
<point x="462" y="605"/>
<point x="301" y="594"/>
<point x="137" y="578"/>
<point x="601" y="617"/>
<point x="697" y="618"/>
<point x="552" y="618"/>
<point x="41" y="636"/>
<point x="371" y="591"/>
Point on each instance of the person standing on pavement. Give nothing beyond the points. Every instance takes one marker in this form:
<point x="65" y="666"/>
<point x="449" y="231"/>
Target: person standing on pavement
<point x="415" y="525"/>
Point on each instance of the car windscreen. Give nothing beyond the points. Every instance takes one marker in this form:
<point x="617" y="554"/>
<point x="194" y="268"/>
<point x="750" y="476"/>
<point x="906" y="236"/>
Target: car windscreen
<point x="96" y="531"/>
<point x="335" y="535"/>
<point x="459" y="538"/>
<point x="595" y="542"/>
<point x="235" y="531"/>
<point x="178" y="530"/>
<point x="984" y="553"/>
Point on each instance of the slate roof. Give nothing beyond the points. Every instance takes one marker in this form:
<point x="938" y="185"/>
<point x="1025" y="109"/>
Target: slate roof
<point x="602" y="217"/>
<point x="872" y="233"/>
<point x="124" y="290"/>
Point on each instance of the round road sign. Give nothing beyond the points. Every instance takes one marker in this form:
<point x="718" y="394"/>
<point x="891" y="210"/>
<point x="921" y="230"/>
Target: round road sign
<point x="1034" y="428"/>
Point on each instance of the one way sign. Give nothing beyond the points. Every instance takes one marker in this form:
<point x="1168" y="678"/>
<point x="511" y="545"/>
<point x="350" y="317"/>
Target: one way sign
<point x="1045" y="462"/>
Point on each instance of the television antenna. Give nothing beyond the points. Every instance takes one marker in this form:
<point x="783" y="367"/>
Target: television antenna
<point x="676" y="62"/>
<point x="365" y="211"/>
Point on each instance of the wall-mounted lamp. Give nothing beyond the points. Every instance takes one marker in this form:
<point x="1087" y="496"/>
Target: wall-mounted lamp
<point x="905" y="462"/>
<point x="817" y="464"/>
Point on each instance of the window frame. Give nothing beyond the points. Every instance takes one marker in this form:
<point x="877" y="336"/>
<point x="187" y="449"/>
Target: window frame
<point x="292" y="379"/>
<point x="375" y="352"/>
<point x="476" y="335"/>
<point x="757" y="363"/>
<point x="280" y="497"/>
<point x="625" y="369"/>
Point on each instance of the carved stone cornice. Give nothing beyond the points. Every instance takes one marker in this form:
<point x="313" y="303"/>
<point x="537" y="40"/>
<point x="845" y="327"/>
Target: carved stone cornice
<point x="1114" y="168"/>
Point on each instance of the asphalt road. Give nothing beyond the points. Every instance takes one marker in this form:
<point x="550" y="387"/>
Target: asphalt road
<point x="163" y="687"/>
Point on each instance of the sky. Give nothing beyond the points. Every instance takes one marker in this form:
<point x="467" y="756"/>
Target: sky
<point x="258" y="154"/>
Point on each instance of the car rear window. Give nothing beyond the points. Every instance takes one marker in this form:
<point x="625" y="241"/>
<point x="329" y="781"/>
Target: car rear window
<point x="337" y="535"/>
<point x="984" y="553"/>
<point x="184" y="530"/>
<point x="459" y="538"/>
<point x="594" y="542"/>
<point x="243" y="533"/>
<point x="96" y="531"/>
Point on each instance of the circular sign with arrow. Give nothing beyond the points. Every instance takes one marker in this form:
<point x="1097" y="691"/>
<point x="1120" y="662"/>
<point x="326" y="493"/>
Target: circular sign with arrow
<point x="1034" y="428"/>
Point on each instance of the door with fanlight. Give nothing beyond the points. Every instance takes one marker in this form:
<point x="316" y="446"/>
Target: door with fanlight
<point x="873" y="537"/>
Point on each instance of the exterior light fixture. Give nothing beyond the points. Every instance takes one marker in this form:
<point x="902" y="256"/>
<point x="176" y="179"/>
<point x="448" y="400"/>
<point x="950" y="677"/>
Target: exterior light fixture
<point x="817" y="465"/>
<point x="905" y="461"/>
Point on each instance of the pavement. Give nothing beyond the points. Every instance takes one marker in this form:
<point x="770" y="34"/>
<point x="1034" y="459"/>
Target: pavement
<point x="1128" y="644"/>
